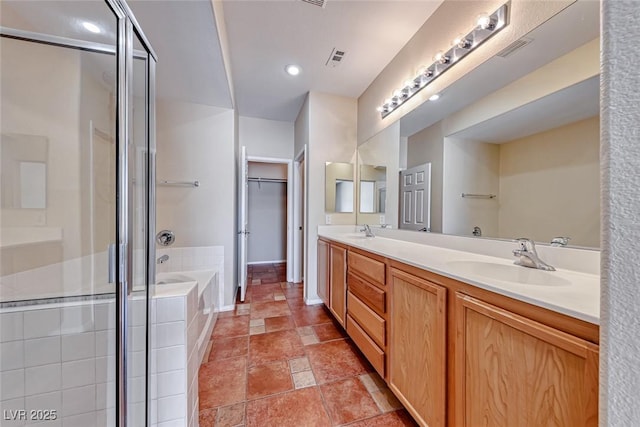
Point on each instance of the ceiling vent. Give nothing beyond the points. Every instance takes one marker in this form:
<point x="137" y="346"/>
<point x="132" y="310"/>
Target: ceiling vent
<point x="319" y="3"/>
<point x="513" y="47"/>
<point x="335" y="58"/>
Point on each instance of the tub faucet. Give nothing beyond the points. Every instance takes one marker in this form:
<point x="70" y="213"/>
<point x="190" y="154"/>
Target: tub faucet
<point x="528" y="257"/>
<point x="367" y="231"/>
<point x="164" y="258"/>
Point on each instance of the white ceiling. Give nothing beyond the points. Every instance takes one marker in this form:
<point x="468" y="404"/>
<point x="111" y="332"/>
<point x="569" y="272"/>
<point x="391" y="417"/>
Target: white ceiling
<point x="265" y="36"/>
<point x="574" y="103"/>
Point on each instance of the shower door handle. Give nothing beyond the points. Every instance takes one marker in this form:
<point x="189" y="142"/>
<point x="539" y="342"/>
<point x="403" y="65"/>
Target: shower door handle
<point x="112" y="263"/>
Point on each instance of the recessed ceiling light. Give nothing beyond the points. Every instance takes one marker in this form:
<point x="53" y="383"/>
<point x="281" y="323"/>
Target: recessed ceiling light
<point x="292" y="70"/>
<point x="434" y="97"/>
<point x="91" y="27"/>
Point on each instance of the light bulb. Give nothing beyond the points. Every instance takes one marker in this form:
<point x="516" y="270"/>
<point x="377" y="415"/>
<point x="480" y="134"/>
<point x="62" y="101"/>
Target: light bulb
<point x="380" y="109"/>
<point x="441" y="58"/>
<point x="292" y="70"/>
<point x="483" y="21"/>
<point x="91" y="27"/>
<point x="397" y="93"/>
<point x="462" y="42"/>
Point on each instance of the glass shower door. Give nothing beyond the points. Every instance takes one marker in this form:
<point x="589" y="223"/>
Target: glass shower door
<point x="75" y="192"/>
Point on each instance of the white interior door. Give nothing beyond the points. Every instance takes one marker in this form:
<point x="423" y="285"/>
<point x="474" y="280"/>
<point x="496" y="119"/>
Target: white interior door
<point x="415" y="202"/>
<point x="243" y="222"/>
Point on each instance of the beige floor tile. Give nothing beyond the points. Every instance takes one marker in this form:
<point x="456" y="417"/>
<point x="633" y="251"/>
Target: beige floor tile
<point x="309" y="339"/>
<point x="303" y="379"/>
<point x="299" y="365"/>
<point x="256" y="322"/>
<point x="386" y="400"/>
<point x="257" y="330"/>
<point x="373" y="382"/>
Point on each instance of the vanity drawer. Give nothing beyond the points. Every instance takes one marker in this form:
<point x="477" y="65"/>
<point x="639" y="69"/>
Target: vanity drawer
<point x="368" y="268"/>
<point x="372" y="352"/>
<point x="373" y="296"/>
<point x="373" y="324"/>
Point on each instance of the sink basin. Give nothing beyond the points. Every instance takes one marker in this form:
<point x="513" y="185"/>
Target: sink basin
<point x="357" y="236"/>
<point x="509" y="273"/>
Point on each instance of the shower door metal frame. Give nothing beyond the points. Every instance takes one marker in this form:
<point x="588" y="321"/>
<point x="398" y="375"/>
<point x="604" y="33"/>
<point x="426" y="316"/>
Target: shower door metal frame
<point x="127" y="28"/>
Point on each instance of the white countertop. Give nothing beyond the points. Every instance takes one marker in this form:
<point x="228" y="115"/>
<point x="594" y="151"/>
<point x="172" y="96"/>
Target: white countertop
<point x="576" y="294"/>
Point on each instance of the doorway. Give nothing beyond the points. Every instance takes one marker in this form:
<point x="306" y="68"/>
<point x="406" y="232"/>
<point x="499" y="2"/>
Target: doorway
<point x="269" y="216"/>
<point x="267" y="213"/>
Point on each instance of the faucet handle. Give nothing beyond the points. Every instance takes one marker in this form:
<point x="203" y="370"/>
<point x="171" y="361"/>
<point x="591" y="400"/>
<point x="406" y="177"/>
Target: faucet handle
<point x="560" y="241"/>
<point x="525" y="243"/>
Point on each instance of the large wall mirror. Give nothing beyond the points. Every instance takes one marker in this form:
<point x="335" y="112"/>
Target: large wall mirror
<point x="514" y="144"/>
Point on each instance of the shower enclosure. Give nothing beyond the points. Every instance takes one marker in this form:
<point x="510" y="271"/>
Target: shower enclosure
<point x="76" y="215"/>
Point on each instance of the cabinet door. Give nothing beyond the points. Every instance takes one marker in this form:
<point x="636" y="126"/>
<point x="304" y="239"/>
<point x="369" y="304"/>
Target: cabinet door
<point x="323" y="271"/>
<point x="417" y="346"/>
<point x="338" y="283"/>
<point x="513" y="371"/>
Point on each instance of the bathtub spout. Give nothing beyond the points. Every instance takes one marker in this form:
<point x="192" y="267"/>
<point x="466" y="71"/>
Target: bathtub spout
<point x="163" y="259"/>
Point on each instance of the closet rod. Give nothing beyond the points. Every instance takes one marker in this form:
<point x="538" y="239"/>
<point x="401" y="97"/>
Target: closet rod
<point x="267" y="179"/>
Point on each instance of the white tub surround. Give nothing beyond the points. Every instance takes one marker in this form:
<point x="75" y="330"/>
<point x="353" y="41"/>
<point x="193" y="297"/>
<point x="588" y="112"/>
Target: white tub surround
<point x="573" y="289"/>
<point x="185" y="316"/>
<point x="196" y="258"/>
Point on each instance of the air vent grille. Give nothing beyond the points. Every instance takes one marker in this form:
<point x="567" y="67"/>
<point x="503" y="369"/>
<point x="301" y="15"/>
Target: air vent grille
<point x="319" y="3"/>
<point x="513" y="47"/>
<point x="335" y="58"/>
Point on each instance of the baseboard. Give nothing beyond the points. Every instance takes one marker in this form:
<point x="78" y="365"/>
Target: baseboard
<point x="278" y="261"/>
<point x="227" y="308"/>
<point x="313" y="301"/>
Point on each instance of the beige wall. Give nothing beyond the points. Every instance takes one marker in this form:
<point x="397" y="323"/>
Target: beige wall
<point x="549" y="185"/>
<point x="197" y="142"/>
<point x="470" y="167"/>
<point x="452" y="18"/>
<point x="331" y="137"/>
<point x="266" y="138"/>
<point x="427" y="146"/>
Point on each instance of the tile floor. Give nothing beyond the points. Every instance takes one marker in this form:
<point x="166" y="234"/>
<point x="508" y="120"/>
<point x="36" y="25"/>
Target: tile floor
<point x="276" y="362"/>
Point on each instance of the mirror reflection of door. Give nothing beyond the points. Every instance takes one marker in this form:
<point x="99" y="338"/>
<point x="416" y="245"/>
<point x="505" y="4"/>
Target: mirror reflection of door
<point x="415" y="206"/>
<point x="344" y="195"/>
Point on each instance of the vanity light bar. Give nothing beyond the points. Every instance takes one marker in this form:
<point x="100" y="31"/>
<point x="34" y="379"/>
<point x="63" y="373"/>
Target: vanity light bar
<point x="486" y="26"/>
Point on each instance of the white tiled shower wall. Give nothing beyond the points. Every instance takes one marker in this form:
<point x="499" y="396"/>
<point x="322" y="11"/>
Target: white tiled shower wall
<point x="63" y="359"/>
<point x="62" y="356"/>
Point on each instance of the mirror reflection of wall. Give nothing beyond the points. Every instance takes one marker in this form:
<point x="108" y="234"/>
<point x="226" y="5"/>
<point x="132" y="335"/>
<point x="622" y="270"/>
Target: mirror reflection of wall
<point x="339" y="188"/>
<point x="373" y="189"/>
<point x="378" y="161"/>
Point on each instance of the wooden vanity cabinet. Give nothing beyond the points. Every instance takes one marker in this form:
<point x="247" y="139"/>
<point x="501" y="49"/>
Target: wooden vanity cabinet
<point x="367" y="307"/>
<point x="513" y="371"/>
<point x="338" y="282"/>
<point x="323" y="271"/>
<point x="417" y="346"/>
<point x="332" y="278"/>
<point x="458" y="355"/>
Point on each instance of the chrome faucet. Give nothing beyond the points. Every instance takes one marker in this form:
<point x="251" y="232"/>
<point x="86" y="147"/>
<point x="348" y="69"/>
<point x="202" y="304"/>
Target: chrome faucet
<point x="560" y="241"/>
<point x="367" y="231"/>
<point x="164" y="258"/>
<point x="528" y="257"/>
